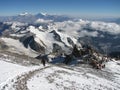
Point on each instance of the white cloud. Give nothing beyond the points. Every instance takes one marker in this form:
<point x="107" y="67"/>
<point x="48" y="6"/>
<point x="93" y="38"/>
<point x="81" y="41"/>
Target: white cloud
<point x="86" y="33"/>
<point x="111" y="28"/>
<point x="43" y="21"/>
<point x="80" y="27"/>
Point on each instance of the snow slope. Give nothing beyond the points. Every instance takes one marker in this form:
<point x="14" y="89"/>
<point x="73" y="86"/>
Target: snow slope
<point x="10" y="72"/>
<point x="7" y="70"/>
<point x="17" y="47"/>
<point x="58" y="77"/>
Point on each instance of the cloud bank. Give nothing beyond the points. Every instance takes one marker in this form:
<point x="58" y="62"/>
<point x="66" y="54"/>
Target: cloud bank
<point x="83" y="28"/>
<point x="43" y="21"/>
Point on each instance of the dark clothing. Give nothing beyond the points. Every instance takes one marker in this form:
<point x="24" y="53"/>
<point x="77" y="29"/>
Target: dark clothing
<point x="43" y="62"/>
<point x="68" y="59"/>
<point x="44" y="59"/>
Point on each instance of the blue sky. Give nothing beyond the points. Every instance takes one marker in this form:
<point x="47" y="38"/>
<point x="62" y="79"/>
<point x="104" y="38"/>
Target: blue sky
<point x="102" y="8"/>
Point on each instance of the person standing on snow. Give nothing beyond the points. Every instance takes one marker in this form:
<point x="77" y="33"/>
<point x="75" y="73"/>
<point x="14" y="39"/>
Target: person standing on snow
<point x="43" y="62"/>
<point x="44" y="59"/>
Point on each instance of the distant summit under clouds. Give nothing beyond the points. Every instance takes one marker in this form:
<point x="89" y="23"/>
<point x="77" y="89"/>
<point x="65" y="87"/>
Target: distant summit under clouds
<point x="30" y="18"/>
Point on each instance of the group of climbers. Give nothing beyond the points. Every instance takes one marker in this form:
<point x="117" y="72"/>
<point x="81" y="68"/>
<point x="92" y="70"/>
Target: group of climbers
<point x="87" y="54"/>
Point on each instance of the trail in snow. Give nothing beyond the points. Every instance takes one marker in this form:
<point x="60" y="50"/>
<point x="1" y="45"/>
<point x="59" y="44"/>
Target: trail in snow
<point x="11" y="68"/>
<point x="20" y="81"/>
<point x="58" y="77"/>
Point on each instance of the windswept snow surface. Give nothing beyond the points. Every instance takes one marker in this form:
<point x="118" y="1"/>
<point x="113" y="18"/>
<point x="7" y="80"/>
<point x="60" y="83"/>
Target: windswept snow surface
<point x="9" y="72"/>
<point x="58" y="77"/>
<point x="13" y="76"/>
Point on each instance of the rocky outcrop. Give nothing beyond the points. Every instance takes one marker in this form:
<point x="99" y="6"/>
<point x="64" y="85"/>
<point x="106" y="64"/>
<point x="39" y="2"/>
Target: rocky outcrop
<point x="57" y="48"/>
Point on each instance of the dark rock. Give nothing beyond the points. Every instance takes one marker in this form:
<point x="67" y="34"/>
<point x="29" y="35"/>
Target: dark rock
<point x="29" y="41"/>
<point x="56" y="48"/>
<point x="70" y="41"/>
<point x="56" y="36"/>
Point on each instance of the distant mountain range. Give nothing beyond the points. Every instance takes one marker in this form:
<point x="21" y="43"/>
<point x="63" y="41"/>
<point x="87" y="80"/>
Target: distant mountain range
<point x="43" y="33"/>
<point x="29" y="18"/>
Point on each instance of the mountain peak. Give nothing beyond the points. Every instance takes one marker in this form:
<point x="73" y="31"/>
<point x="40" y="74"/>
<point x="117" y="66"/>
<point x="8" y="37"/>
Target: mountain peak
<point x="44" y="14"/>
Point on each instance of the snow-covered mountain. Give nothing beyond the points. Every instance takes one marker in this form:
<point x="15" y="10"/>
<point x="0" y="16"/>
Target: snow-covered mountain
<point x="46" y="35"/>
<point x="30" y="18"/>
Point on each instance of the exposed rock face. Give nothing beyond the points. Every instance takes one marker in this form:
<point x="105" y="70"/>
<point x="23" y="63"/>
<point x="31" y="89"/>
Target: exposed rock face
<point x="56" y="36"/>
<point x="70" y="41"/>
<point x="87" y="55"/>
<point x="57" y="48"/>
<point x="29" y="41"/>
